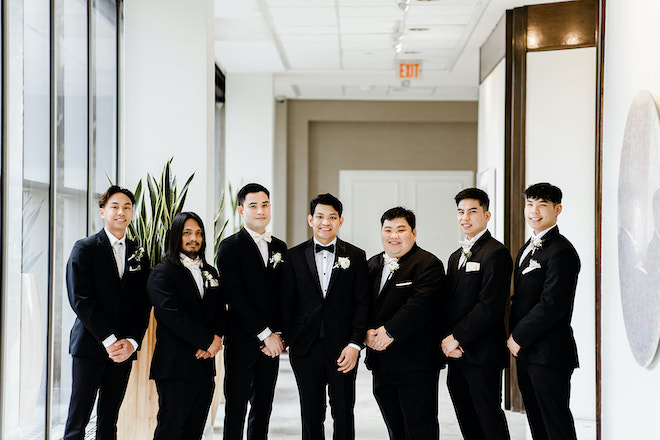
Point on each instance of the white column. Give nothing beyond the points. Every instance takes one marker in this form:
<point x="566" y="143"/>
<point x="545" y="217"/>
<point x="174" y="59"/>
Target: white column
<point x="169" y="96"/>
<point x="250" y="132"/>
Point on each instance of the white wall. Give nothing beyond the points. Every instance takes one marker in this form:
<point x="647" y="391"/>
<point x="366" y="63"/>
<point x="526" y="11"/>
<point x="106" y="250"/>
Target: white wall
<point x="560" y="149"/>
<point x="631" y="393"/>
<point x="169" y="96"/>
<point x="250" y="132"/>
<point x="491" y="141"/>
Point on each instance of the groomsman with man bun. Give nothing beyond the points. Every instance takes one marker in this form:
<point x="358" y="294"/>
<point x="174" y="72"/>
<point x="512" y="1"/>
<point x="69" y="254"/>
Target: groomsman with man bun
<point x="408" y="289"/>
<point x="251" y="264"/>
<point x="185" y="292"/>
<point x="545" y="278"/>
<point x="479" y="280"/>
<point x="326" y="302"/>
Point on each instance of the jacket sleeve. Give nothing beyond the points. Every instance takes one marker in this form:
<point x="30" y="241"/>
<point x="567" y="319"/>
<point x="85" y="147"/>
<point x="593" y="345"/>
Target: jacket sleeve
<point x="142" y="311"/>
<point x="162" y="291"/>
<point x="362" y="301"/>
<point x="289" y="298"/>
<point x="423" y="304"/>
<point x="228" y="262"/>
<point x="556" y="298"/>
<point x="82" y="296"/>
<point x="493" y="294"/>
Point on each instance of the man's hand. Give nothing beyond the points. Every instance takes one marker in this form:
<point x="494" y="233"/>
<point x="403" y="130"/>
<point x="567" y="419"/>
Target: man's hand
<point x="370" y="338"/>
<point x="120" y="350"/>
<point x="381" y="340"/>
<point x="201" y="354"/>
<point x="347" y="359"/>
<point x="215" y="346"/>
<point x="273" y="345"/>
<point x="449" y="344"/>
<point x="514" y="348"/>
<point x="455" y="354"/>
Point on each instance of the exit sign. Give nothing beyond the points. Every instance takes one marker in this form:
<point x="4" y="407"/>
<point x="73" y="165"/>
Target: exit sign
<point x="410" y="69"/>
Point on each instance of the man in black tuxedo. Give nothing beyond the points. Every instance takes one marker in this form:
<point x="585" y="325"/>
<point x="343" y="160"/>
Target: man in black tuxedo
<point x="408" y="287"/>
<point x="325" y="308"/>
<point x="479" y="279"/>
<point x="106" y="278"/>
<point x="189" y="310"/>
<point x="250" y="262"/>
<point x="541" y="339"/>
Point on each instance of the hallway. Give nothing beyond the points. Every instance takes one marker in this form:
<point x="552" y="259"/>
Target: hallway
<point x="285" y="421"/>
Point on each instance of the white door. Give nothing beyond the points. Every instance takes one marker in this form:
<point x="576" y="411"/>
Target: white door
<point x="430" y="194"/>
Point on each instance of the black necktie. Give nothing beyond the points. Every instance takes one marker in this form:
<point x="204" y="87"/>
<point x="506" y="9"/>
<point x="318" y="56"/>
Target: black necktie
<point x="330" y="248"/>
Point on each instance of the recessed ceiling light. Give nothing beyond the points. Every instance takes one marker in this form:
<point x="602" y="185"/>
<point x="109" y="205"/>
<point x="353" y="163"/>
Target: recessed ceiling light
<point x="418" y="29"/>
<point x="411" y="52"/>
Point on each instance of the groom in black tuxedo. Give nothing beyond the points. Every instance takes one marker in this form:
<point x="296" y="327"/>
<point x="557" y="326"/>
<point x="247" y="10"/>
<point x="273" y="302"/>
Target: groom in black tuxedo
<point x="325" y="307"/>
<point x="545" y="278"/>
<point x="408" y="288"/>
<point x="189" y="311"/>
<point x="251" y="264"/>
<point x="479" y="280"/>
<point x="106" y="278"/>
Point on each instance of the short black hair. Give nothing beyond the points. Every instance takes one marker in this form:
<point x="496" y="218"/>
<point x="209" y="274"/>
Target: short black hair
<point x="114" y="189"/>
<point x="326" y="199"/>
<point x="250" y="188"/>
<point x="474" y="194"/>
<point x="399" y="212"/>
<point x="175" y="235"/>
<point x="544" y="191"/>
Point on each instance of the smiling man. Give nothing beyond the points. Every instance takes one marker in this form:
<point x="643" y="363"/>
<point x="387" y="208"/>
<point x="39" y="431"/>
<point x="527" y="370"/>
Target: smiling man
<point x="106" y="281"/>
<point x="325" y="307"/>
<point x="545" y="278"/>
<point x="479" y="278"/>
<point x="404" y="354"/>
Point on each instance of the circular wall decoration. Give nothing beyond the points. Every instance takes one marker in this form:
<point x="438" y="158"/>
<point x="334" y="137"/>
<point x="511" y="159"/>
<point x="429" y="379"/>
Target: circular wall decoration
<point x="639" y="228"/>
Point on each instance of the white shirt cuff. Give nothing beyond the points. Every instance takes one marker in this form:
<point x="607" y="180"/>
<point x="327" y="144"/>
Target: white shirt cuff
<point x="107" y="342"/>
<point x="133" y="343"/>
<point x="264" y="334"/>
<point x="355" y="346"/>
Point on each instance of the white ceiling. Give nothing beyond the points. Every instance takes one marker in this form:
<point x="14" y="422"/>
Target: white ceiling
<point x="346" y="49"/>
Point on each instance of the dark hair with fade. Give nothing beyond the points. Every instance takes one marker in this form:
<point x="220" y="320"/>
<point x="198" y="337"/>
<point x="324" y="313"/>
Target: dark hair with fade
<point x="250" y="188"/>
<point x="475" y="194"/>
<point x="326" y="199"/>
<point x="114" y="189"/>
<point x="175" y="235"/>
<point x="544" y="191"/>
<point x="399" y="212"/>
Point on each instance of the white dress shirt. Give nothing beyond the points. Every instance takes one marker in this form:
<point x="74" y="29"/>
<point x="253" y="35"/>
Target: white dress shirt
<point x="195" y="268"/>
<point x="262" y="245"/>
<point x="324" y="262"/>
<point x="386" y="269"/>
<point x="530" y="246"/>
<point x="463" y="259"/>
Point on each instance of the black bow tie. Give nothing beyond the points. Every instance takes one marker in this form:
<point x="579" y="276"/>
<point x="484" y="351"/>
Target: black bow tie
<point x="330" y="248"/>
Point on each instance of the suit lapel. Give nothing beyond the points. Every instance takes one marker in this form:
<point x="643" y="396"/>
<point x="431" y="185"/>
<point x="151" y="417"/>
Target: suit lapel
<point x="104" y="242"/>
<point x="311" y="265"/>
<point x="334" y="273"/>
<point x="251" y="247"/>
<point x="130" y="249"/>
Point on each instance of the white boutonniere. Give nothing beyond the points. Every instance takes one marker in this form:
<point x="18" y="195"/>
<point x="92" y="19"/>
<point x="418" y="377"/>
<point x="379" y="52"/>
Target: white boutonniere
<point x="394" y="265"/>
<point x="342" y="262"/>
<point x="537" y="243"/>
<point x="209" y="279"/>
<point x="466" y="253"/>
<point x="275" y="259"/>
<point x="135" y="259"/>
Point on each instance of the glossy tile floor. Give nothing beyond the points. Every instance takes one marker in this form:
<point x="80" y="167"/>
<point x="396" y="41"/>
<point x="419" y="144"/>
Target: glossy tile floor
<point x="285" y="421"/>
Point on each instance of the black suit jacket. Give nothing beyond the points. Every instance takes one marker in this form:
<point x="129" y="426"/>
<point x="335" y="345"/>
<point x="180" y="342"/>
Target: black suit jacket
<point x="185" y="321"/>
<point x="542" y="303"/>
<point x="410" y="307"/>
<point x="477" y="302"/>
<point x="104" y="303"/>
<point x="341" y="316"/>
<point x="252" y="290"/>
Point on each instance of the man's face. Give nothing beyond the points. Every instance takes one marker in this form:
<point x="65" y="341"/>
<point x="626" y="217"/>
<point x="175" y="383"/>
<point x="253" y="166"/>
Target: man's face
<point x="255" y="211"/>
<point x="325" y="223"/>
<point x="397" y="237"/>
<point x="472" y="218"/>
<point x="117" y="213"/>
<point x="541" y="214"/>
<point x="191" y="239"/>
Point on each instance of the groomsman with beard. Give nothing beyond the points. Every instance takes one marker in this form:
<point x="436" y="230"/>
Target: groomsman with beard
<point x="251" y="263"/>
<point x="189" y="310"/>
<point x="408" y="287"/>
<point x="479" y="280"/>
<point x="326" y="302"/>
<point x="541" y="340"/>
<point x="106" y="279"/>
